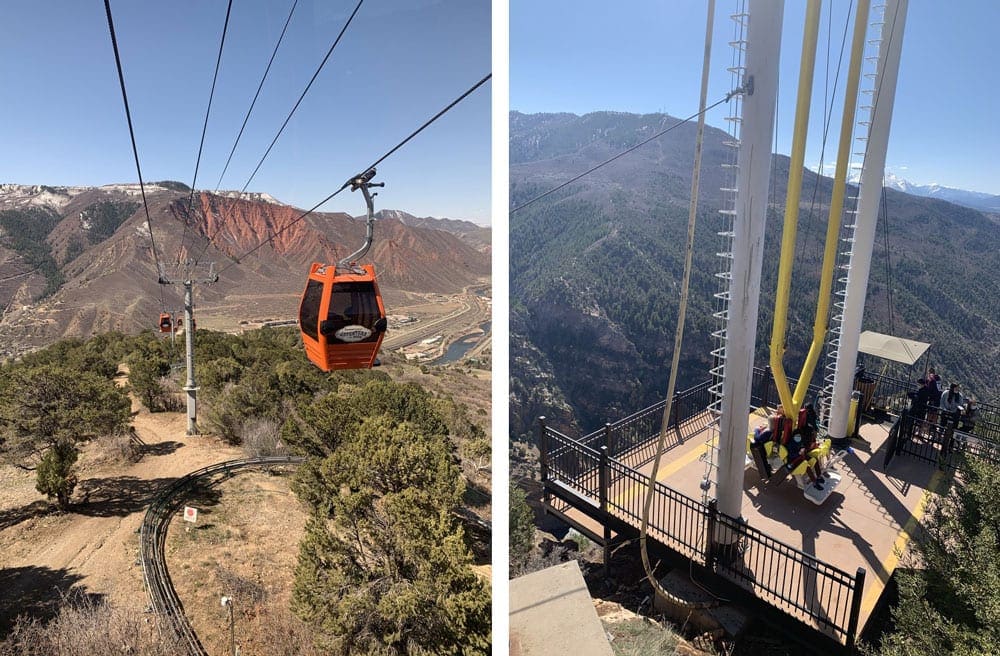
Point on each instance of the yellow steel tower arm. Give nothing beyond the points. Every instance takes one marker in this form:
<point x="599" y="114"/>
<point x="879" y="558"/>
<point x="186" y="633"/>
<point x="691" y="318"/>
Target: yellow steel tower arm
<point x="836" y="203"/>
<point x="806" y="67"/>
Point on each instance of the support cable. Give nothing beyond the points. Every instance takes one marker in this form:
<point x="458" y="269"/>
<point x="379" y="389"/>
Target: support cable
<point x="699" y="114"/>
<point x="779" y="330"/>
<point x="679" y="331"/>
<point x="135" y="151"/>
<point x="792" y="402"/>
<point x="827" y="119"/>
<point x="347" y="184"/>
<point x="888" y="260"/>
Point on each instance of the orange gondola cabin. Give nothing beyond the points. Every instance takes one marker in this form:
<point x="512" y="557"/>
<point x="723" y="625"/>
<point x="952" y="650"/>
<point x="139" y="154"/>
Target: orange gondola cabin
<point x="342" y="317"/>
<point x="165" y="323"/>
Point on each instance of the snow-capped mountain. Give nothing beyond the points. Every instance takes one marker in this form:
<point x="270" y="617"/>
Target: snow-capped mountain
<point x="977" y="200"/>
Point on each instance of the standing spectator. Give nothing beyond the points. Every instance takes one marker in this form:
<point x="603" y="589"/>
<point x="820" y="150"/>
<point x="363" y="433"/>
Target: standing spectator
<point x="951" y="406"/>
<point x="934" y="401"/>
<point x="935" y="381"/>
<point x="919" y="399"/>
<point x="970" y="417"/>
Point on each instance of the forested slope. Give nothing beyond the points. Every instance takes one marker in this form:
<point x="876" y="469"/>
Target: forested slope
<point x="596" y="269"/>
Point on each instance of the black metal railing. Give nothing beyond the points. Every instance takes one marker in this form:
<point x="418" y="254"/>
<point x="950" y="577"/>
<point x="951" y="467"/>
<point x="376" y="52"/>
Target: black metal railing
<point x="630" y="438"/>
<point x="890" y="394"/>
<point x="787" y="578"/>
<point x="944" y="445"/>
<point x="565" y="460"/>
<point x="675" y="520"/>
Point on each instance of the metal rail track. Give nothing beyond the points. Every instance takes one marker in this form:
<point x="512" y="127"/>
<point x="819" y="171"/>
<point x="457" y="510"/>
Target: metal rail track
<point x="153" y="535"/>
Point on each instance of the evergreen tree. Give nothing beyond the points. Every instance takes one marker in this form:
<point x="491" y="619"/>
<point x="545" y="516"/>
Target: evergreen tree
<point x="46" y="410"/>
<point x="384" y="567"/>
<point x="951" y="604"/>
<point x="54" y="473"/>
<point x="522" y="528"/>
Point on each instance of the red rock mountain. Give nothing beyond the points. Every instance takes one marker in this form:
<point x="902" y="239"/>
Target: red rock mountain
<point x="97" y="270"/>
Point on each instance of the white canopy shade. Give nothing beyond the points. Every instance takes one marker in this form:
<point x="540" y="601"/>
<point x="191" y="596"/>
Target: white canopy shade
<point x="892" y="348"/>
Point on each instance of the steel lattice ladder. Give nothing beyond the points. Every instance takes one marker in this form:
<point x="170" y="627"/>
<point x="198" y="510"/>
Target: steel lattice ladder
<point x="737" y="71"/>
<point x="866" y="109"/>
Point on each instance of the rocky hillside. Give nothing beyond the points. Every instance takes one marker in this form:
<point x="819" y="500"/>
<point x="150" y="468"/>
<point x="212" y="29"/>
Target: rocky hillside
<point x="596" y="267"/>
<point x="473" y="233"/>
<point x="74" y="261"/>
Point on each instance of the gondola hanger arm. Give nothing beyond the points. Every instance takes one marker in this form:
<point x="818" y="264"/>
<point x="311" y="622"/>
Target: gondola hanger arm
<point x="363" y="182"/>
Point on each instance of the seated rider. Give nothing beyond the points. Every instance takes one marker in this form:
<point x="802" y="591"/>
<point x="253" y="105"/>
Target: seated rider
<point x="802" y="443"/>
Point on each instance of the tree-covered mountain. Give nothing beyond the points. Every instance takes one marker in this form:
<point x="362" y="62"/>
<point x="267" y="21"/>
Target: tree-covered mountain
<point x="596" y="268"/>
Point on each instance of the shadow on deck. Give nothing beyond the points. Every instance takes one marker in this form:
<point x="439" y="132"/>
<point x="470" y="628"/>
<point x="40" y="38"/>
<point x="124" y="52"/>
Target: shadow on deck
<point x="810" y="562"/>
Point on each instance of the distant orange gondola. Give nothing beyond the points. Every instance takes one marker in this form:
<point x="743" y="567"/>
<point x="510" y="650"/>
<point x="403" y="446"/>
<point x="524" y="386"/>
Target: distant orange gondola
<point x="165" y="323"/>
<point x="341" y="315"/>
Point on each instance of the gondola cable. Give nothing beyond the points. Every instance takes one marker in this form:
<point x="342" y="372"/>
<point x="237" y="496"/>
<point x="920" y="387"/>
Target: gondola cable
<point x="256" y="95"/>
<point x="659" y="134"/>
<point x="304" y="92"/>
<point x="135" y="151"/>
<point x="204" y="127"/>
<point x="237" y="260"/>
<point x="210" y="239"/>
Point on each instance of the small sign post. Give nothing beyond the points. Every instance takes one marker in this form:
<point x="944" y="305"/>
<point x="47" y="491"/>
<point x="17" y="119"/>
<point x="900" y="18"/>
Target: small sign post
<point x="190" y="514"/>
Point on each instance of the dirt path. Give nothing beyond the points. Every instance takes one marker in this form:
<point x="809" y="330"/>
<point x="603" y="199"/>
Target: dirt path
<point x="94" y="546"/>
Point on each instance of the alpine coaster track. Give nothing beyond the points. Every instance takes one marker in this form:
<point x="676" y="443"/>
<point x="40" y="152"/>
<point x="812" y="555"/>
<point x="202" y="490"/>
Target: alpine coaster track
<point x="153" y="535"/>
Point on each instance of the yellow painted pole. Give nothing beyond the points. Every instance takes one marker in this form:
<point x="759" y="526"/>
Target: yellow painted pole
<point x="837" y="202"/>
<point x="779" y="329"/>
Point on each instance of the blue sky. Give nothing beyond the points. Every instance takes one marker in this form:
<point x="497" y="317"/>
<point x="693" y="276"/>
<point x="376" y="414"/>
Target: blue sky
<point x="583" y="55"/>
<point x="397" y="65"/>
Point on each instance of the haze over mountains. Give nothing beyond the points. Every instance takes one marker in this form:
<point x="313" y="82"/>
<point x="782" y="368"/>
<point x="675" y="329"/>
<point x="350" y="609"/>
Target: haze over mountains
<point x="78" y="260"/>
<point x="596" y="268"/>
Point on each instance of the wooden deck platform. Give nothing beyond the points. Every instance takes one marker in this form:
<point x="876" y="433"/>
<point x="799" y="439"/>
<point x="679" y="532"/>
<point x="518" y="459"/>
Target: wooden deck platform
<point x="866" y="522"/>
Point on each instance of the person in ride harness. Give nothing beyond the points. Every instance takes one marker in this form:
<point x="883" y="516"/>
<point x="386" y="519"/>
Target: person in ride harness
<point x="802" y="442"/>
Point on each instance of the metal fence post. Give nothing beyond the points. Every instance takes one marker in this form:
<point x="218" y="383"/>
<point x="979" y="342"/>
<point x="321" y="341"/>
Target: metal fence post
<point x="603" y="478"/>
<point x="712" y="515"/>
<point x="543" y="459"/>
<point x="852" y="625"/>
<point x="677" y="406"/>
<point x="607" y="437"/>
<point x="766" y="380"/>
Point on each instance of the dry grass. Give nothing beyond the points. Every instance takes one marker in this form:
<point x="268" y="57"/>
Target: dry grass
<point x="640" y="636"/>
<point x="95" y="628"/>
<point x="244" y="546"/>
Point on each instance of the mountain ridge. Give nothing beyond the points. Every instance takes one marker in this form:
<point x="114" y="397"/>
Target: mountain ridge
<point x="79" y="283"/>
<point x="605" y="256"/>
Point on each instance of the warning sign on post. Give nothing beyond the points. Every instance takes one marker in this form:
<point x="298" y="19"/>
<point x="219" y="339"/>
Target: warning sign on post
<point x="190" y="514"/>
